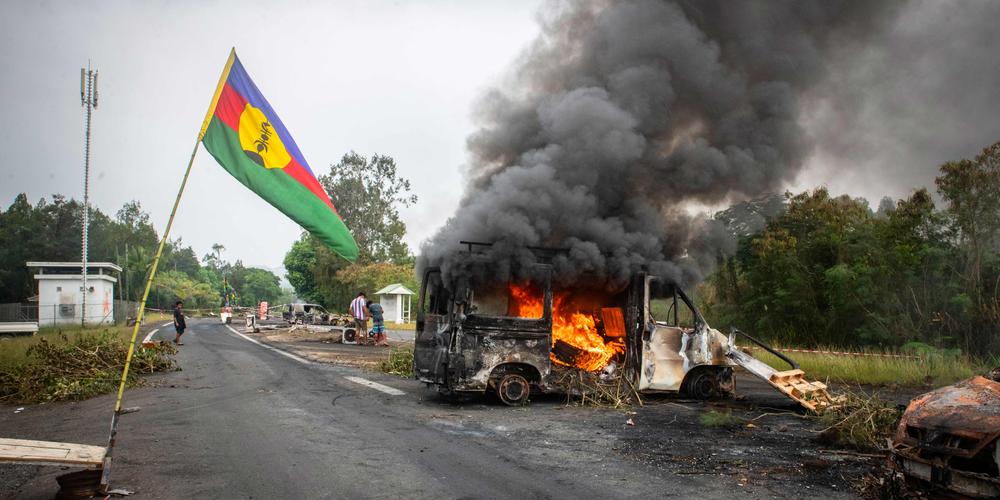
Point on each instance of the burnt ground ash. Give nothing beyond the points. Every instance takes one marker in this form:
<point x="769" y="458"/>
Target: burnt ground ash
<point x="779" y="456"/>
<point x="779" y="453"/>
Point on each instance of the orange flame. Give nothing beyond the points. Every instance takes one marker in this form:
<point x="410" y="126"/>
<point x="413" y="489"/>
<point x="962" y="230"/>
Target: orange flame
<point x="571" y="325"/>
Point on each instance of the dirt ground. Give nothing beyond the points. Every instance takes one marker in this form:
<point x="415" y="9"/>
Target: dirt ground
<point x="325" y="347"/>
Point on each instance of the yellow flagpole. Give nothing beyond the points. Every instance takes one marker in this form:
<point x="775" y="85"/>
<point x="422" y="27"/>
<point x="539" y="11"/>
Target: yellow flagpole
<point x="106" y="469"/>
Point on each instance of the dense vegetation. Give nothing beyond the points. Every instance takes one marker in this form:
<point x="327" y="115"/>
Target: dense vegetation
<point x="50" y="231"/>
<point x="830" y="271"/>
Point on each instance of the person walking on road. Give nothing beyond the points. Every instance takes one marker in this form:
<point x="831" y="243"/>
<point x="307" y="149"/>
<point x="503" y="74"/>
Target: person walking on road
<point x="179" y="324"/>
<point x="378" y="323"/>
<point x="360" y="313"/>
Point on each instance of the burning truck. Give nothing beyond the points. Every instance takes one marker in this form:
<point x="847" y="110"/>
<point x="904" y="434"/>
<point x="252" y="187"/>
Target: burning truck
<point x="476" y="333"/>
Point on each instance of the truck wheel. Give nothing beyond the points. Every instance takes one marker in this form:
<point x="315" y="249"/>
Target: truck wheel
<point x="701" y="385"/>
<point x="513" y="389"/>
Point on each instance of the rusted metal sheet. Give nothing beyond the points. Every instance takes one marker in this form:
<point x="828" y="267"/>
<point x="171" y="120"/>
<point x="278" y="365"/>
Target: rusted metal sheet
<point x="948" y="437"/>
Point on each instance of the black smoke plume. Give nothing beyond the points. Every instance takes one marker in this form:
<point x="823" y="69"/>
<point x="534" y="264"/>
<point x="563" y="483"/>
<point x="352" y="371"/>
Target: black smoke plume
<point x="622" y="113"/>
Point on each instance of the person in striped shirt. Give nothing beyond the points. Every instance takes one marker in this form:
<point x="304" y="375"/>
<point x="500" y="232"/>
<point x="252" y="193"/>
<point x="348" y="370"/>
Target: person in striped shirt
<point x="359" y="311"/>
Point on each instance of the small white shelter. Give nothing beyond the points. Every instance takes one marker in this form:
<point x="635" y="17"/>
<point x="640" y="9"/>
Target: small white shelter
<point x="60" y="292"/>
<point x="395" y="300"/>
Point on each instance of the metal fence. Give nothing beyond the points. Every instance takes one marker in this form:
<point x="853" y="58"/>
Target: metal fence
<point x="25" y="312"/>
<point x="125" y="309"/>
<point x="19" y="312"/>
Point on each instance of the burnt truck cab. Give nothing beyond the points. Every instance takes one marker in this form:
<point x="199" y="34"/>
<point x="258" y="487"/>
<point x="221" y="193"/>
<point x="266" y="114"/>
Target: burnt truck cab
<point x="517" y="337"/>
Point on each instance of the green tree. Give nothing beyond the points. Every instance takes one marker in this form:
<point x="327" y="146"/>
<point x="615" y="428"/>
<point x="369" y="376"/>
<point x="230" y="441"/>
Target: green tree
<point x="259" y="285"/>
<point x="177" y="257"/>
<point x="367" y="193"/>
<point x="972" y="190"/>
<point x="170" y="286"/>
<point x="51" y="231"/>
<point x="299" y="263"/>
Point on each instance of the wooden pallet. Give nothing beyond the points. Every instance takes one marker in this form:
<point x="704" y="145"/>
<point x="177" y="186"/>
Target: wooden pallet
<point x="25" y="451"/>
<point x="811" y="395"/>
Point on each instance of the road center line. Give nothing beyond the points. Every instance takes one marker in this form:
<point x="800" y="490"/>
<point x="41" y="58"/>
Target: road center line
<point x="377" y="386"/>
<point x="265" y="346"/>
<point x="149" y="336"/>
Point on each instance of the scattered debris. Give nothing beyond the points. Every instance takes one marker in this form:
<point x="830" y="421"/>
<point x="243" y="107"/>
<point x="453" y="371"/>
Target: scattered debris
<point x="596" y="389"/>
<point x="313" y="314"/>
<point x="859" y="421"/>
<point x="88" y="365"/>
<point x="79" y="484"/>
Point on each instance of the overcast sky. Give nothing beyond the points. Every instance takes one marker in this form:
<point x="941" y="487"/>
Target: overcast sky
<point x="396" y="78"/>
<point x="400" y="78"/>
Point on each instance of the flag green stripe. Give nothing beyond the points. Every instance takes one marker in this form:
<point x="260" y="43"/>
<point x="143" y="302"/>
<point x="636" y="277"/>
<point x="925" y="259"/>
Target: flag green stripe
<point x="280" y="190"/>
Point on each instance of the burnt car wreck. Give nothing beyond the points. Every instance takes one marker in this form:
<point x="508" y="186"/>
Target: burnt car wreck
<point x="312" y="314"/>
<point x="513" y="337"/>
<point x="947" y="438"/>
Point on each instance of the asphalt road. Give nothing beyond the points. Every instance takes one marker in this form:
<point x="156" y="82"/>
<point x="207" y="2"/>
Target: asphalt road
<point x="242" y="420"/>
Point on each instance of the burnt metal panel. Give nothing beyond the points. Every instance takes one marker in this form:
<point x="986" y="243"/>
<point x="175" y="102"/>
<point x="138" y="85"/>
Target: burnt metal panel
<point x="948" y="438"/>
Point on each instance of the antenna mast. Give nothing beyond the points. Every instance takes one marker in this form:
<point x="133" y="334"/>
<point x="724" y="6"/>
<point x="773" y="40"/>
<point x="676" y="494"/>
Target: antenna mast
<point x="88" y="99"/>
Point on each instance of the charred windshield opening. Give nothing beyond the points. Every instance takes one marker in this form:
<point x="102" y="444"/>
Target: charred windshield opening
<point x="525" y="299"/>
<point x="668" y="306"/>
<point x="435" y="296"/>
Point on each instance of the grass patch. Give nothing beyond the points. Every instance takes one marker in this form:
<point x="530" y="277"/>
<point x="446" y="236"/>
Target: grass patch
<point x="720" y="419"/>
<point x="400" y="326"/>
<point x="400" y="362"/>
<point x="934" y="369"/>
<point x="156" y="316"/>
<point x="73" y="364"/>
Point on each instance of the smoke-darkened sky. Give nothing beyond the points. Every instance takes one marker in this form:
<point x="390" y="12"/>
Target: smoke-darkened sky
<point x="864" y="97"/>
<point x="623" y="114"/>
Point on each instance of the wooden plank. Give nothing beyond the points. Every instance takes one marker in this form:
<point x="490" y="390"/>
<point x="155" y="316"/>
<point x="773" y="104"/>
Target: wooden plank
<point x="26" y="451"/>
<point x="787" y="374"/>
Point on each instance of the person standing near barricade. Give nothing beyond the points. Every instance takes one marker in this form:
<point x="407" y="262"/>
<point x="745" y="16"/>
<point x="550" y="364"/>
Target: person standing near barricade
<point x="179" y="324"/>
<point x="360" y="313"/>
<point x="378" y="323"/>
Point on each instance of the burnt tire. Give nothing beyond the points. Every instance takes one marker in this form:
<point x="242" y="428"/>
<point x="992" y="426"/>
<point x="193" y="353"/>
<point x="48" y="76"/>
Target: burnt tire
<point x="513" y="389"/>
<point x="701" y="385"/>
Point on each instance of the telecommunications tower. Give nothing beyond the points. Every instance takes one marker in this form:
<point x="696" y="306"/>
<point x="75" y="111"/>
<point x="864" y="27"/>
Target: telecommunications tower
<point x="88" y="99"/>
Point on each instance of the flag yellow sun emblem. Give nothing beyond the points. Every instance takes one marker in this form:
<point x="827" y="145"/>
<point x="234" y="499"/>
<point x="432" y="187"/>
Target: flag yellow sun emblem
<point x="260" y="141"/>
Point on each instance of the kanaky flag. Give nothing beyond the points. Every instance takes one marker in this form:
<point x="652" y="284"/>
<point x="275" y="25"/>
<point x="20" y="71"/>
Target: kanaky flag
<point x="247" y="138"/>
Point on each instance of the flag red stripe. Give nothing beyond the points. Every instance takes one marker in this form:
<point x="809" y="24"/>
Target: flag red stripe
<point x="306" y="178"/>
<point x="230" y="107"/>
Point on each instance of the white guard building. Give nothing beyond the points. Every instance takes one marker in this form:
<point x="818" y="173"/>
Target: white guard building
<point x="60" y="292"/>
<point x="396" y="300"/>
